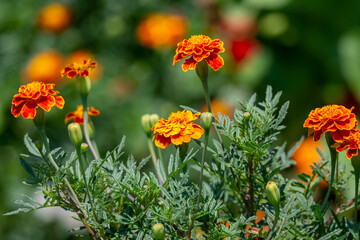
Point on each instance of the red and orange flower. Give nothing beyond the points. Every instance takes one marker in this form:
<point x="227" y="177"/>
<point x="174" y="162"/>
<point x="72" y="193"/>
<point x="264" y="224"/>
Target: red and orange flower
<point x="81" y="69"/>
<point x="177" y="129"/>
<point x="34" y="95"/>
<point x="78" y="115"/>
<point x="198" y="48"/>
<point x="351" y="144"/>
<point x="336" y="119"/>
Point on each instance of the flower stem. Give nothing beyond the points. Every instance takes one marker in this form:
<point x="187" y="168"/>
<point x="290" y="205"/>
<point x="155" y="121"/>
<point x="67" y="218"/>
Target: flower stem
<point x="273" y="230"/>
<point x="78" y="151"/>
<point x="154" y="160"/>
<point x="357" y="174"/>
<point x="51" y="159"/>
<point x="251" y="184"/>
<point x="86" y="131"/>
<point x="333" y="160"/>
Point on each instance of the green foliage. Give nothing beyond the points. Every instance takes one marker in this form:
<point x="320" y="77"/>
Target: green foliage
<point x="122" y="201"/>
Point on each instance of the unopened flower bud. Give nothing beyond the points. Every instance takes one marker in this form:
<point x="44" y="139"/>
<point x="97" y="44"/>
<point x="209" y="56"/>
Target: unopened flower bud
<point x="158" y="231"/>
<point x="202" y="70"/>
<point x="154" y="118"/>
<point x="75" y="134"/>
<point x="246" y="115"/>
<point x="273" y="194"/>
<point x="145" y="122"/>
<point x="83" y="86"/>
<point x="84" y="147"/>
<point x="206" y="120"/>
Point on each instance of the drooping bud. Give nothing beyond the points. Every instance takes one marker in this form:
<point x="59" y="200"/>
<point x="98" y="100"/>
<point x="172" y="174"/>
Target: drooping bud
<point x="202" y="70"/>
<point x="154" y="118"/>
<point x="83" y="86"/>
<point x="273" y="194"/>
<point x="158" y="231"/>
<point x="75" y="134"/>
<point x="146" y="125"/>
<point x="39" y="120"/>
<point x="206" y="120"/>
<point x="84" y="147"/>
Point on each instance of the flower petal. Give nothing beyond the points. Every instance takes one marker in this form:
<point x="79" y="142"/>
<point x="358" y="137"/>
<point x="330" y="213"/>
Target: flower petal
<point x="29" y="110"/>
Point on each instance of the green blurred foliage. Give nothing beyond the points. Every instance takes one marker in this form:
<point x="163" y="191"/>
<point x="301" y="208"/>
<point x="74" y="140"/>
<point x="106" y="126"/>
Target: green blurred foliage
<point x="307" y="49"/>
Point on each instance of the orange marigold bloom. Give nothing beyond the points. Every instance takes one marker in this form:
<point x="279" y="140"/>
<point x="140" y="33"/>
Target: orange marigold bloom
<point x="78" y="114"/>
<point x="54" y="18"/>
<point x="33" y="95"/>
<point x="198" y="48"/>
<point x="337" y="120"/>
<point x="79" y="56"/>
<point x="153" y="31"/>
<point x="177" y="129"/>
<point x="352" y="144"/>
<point x="79" y="69"/>
<point x="44" y="67"/>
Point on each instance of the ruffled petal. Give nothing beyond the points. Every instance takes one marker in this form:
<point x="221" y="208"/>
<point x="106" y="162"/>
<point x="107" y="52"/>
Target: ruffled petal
<point x="16" y="109"/>
<point x="29" y="110"/>
<point x="59" y="102"/>
<point x="46" y="103"/>
<point x="189" y="63"/>
<point x="215" y="61"/>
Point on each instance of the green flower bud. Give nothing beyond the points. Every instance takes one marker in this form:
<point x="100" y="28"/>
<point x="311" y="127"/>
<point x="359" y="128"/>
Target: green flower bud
<point x="202" y="70"/>
<point x="83" y="86"/>
<point x="84" y="147"/>
<point x="154" y="118"/>
<point x="206" y="120"/>
<point x="246" y="115"/>
<point x="39" y="120"/>
<point x="273" y="194"/>
<point x="145" y="122"/>
<point x="75" y="134"/>
<point x="158" y="231"/>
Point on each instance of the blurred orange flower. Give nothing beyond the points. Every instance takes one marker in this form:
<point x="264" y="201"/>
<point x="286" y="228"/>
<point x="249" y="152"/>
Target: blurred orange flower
<point x="78" y="114"/>
<point x="306" y="154"/>
<point x="159" y="30"/>
<point x="79" y="56"/>
<point x="44" y="67"/>
<point x="352" y="144"/>
<point x="219" y="106"/>
<point x="335" y="119"/>
<point x="34" y="95"/>
<point x="81" y="69"/>
<point x="198" y="48"/>
<point x="54" y="18"/>
<point x="177" y="129"/>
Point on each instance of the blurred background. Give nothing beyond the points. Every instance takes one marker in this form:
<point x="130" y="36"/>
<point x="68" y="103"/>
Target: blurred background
<point x="309" y="50"/>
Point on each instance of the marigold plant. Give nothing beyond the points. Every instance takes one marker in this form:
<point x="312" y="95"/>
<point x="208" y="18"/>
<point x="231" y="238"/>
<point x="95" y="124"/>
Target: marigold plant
<point x="336" y="119"/>
<point x="177" y="129"/>
<point x="81" y="69"/>
<point x="78" y="115"/>
<point x="34" y="95"/>
<point x="198" y="48"/>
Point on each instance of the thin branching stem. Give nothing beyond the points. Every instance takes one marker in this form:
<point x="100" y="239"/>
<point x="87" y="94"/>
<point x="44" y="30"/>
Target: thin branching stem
<point x="86" y="130"/>
<point x="154" y="159"/>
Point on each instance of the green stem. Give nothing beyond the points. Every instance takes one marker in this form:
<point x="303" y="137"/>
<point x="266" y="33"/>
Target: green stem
<point x="52" y="161"/>
<point x="161" y="159"/>
<point x="86" y="131"/>
<point x="333" y="160"/>
<point x="251" y="185"/>
<point x="154" y="160"/>
<point x="78" y="151"/>
<point x="273" y="229"/>
<point x="357" y="174"/>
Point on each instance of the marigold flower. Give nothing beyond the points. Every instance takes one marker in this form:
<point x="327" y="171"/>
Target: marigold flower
<point x="153" y="31"/>
<point x="78" y="114"/>
<point x="54" y="18"/>
<point x="352" y="144"/>
<point x="177" y="129"/>
<point x="198" y="48"/>
<point x="79" y="69"/>
<point x="33" y="95"/>
<point x="79" y="56"/>
<point x="336" y="119"/>
<point x="44" y="67"/>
